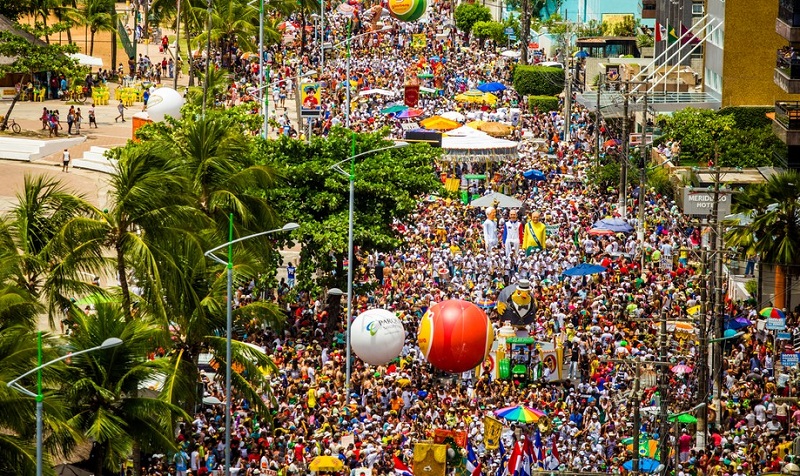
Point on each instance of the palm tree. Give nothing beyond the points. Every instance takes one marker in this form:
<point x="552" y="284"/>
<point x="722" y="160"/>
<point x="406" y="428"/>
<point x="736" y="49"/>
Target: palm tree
<point x="98" y="17"/>
<point x="149" y="209"/>
<point x="34" y="256"/>
<point x="774" y="227"/>
<point x="104" y="389"/>
<point x="232" y="21"/>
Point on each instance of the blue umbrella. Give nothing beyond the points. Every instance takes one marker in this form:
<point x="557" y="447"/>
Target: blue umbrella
<point x="584" y="269"/>
<point x="581" y="54"/>
<point x="737" y="323"/>
<point x="492" y="87"/>
<point x="617" y="225"/>
<point x="646" y="465"/>
<point x="533" y="174"/>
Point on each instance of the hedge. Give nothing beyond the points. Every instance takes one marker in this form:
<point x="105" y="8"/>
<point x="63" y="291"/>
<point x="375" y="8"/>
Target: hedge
<point x="543" y="103"/>
<point x="538" y="80"/>
<point x="749" y="117"/>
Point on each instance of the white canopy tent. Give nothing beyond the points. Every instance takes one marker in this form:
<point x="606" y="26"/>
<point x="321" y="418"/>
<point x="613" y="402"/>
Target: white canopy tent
<point x="86" y="60"/>
<point x="466" y="144"/>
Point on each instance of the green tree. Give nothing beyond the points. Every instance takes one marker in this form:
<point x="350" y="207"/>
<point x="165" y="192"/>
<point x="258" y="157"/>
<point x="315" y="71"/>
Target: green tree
<point x="538" y="80"/>
<point x="773" y="228"/>
<point x="386" y="188"/>
<point x="490" y="30"/>
<point x="103" y="386"/>
<point x="698" y="131"/>
<point x="468" y="14"/>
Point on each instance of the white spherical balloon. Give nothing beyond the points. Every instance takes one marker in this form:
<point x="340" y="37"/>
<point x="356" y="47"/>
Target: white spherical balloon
<point x="164" y="102"/>
<point x="377" y="336"/>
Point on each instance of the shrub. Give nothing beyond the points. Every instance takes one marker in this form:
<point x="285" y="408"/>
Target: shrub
<point x="538" y="80"/>
<point x="748" y="117"/>
<point x="543" y="103"/>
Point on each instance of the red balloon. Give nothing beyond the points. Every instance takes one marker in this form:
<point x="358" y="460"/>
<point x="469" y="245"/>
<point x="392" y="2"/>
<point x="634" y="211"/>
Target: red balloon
<point x="455" y="336"/>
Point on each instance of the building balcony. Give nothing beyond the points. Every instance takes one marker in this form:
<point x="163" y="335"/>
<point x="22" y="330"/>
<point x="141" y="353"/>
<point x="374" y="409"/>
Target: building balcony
<point x="787" y="25"/>
<point x="786" y="124"/>
<point x="787" y="71"/>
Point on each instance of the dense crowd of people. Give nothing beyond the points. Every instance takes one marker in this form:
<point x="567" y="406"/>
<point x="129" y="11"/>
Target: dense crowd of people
<point x="604" y="322"/>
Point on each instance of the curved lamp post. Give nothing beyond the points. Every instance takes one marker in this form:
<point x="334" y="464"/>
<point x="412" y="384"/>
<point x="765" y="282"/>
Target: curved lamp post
<point x="108" y="343"/>
<point x="229" y="264"/>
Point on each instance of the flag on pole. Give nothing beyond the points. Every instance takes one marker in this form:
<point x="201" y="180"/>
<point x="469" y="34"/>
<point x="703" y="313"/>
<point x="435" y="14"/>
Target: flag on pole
<point x="539" y="447"/>
<point x="514" y="460"/>
<point x="528" y="458"/>
<point x="502" y="470"/>
<point x="661" y="32"/>
<point x="687" y="37"/>
<point x="672" y="37"/>
<point x="554" y="450"/>
<point x="473" y="465"/>
<point x="400" y="468"/>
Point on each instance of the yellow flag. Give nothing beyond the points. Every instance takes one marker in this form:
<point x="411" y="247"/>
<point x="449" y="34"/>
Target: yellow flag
<point x="419" y="40"/>
<point x="492" y="428"/>
<point x="693" y="310"/>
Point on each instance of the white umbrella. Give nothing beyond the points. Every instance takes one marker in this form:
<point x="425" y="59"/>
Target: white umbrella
<point x="86" y="60"/>
<point x="382" y="92"/>
<point x="510" y="54"/>
<point x="503" y="201"/>
<point x="454" y="116"/>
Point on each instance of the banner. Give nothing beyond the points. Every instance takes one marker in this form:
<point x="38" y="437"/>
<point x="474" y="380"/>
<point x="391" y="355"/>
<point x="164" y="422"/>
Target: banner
<point x="430" y="459"/>
<point x="419" y="40"/>
<point x="310" y="98"/>
<point x="411" y="95"/>
<point x="440" y="435"/>
<point x="492" y="429"/>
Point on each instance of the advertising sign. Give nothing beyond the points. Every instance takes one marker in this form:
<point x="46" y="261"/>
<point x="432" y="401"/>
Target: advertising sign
<point x="310" y="98"/>
<point x="701" y="203"/>
<point x="776" y="324"/>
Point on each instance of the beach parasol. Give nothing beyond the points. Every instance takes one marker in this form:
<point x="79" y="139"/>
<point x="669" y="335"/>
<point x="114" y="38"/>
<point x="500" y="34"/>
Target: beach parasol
<point x="491" y="87"/>
<point x="580" y="54"/>
<point x="534" y="174"/>
<point x="519" y="413"/>
<point x="584" y="269"/>
<point x="325" y="463"/>
<point x="485" y="303"/>
<point x="454" y="116"/>
<point x="683" y="418"/>
<point x="475" y="124"/>
<point x="495" y="129"/>
<point x="510" y="54"/>
<point x="617" y="225"/>
<point x="394" y="109"/>
<point x="646" y="465"/>
<point x="439" y="123"/>
<point x="773" y="312"/>
<point x="737" y="323"/>
<point x="598" y="232"/>
<point x="681" y="369"/>
<point x="65" y="469"/>
<point x="409" y="113"/>
<point x="503" y="201"/>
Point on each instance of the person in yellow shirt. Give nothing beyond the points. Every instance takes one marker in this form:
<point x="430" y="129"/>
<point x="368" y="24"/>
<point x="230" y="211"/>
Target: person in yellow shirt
<point x="534" y="235"/>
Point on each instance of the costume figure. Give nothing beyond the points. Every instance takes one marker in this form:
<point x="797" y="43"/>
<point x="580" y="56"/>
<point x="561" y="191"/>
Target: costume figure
<point x="535" y="234"/>
<point x="512" y="233"/>
<point x="490" y="230"/>
<point x="521" y="308"/>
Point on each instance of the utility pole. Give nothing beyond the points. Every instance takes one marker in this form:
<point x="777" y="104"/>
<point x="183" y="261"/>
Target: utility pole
<point x="567" y="105"/>
<point x="702" y="367"/>
<point x="718" y="283"/>
<point x="177" y="46"/>
<point x="208" y="59"/>
<point x="642" y="173"/>
<point x="597" y="123"/>
<point x="637" y="417"/>
<point x="623" y="159"/>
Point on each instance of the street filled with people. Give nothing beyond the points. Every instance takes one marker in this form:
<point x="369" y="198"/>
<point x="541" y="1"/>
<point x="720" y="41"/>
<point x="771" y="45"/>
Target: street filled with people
<point x="606" y="323"/>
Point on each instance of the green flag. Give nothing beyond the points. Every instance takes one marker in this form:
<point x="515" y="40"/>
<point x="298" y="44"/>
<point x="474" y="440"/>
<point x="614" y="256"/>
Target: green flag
<point x="672" y="37"/>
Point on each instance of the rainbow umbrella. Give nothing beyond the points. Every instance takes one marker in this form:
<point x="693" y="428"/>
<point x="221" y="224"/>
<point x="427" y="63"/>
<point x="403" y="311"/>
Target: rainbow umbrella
<point x="485" y="303"/>
<point x="409" y="113"/>
<point x="772" y="312"/>
<point x="519" y="413"/>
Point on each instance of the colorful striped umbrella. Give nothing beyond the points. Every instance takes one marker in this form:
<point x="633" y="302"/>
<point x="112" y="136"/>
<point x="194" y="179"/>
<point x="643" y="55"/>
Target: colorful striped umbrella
<point x="772" y="312"/>
<point x="485" y="303"/>
<point x="681" y="369"/>
<point x="520" y="413"/>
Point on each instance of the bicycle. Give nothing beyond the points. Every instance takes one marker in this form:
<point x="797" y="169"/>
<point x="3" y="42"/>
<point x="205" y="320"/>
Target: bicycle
<point x="12" y="124"/>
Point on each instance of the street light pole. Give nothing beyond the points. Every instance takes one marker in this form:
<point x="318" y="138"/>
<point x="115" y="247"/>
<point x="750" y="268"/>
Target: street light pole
<point x="229" y="324"/>
<point x="108" y="343"/>
<point x="177" y="47"/>
<point x="264" y="94"/>
<point x="351" y="176"/>
<point x="208" y="59"/>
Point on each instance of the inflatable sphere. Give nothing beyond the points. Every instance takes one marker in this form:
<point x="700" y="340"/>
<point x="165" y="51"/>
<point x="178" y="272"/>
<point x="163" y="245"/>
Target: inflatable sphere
<point x="164" y="102"/>
<point x="377" y="336"/>
<point x="407" y="10"/>
<point x="455" y="336"/>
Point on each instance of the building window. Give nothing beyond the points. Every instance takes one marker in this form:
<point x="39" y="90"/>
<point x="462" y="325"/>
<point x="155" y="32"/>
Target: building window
<point x="697" y="9"/>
